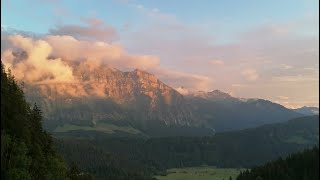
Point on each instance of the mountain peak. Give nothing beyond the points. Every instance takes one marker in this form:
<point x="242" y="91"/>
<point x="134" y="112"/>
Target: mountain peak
<point x="213" y="95"/>
<point x="218" y="93"/>
<point x="143" y="92"/>
<point x="143" y="75"/>
<point x="141" y="72"/>
<point x="137" y="70"/>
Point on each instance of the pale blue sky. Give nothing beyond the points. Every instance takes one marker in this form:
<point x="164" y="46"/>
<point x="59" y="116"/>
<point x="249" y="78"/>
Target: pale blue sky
<point x="234" y="16"/>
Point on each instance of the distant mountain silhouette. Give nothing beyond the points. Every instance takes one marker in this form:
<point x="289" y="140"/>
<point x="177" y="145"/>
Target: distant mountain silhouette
<point x="307" y="110"/>
<point x="223" y="112"/>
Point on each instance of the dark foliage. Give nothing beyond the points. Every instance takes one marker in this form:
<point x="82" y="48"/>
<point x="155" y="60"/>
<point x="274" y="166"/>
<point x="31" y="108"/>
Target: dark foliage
<point x="27" y="150"/>
<point x="300" y="166"/>
<point x="25" y="146"/>
<point x="237" y="149"/>
<point x="101" y="164"/>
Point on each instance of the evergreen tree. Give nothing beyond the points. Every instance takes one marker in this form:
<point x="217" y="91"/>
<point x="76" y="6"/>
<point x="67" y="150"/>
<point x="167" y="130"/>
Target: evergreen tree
<point x="26" y="149"/>
<point x="299" y="166"/>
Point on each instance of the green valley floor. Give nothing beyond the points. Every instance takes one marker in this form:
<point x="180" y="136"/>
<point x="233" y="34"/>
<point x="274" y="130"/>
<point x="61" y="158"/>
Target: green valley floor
<point x="200" y="173"/>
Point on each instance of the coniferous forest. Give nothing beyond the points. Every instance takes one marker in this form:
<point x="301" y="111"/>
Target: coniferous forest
<point x="299" y="166"/>
<point x="26" y="149"/>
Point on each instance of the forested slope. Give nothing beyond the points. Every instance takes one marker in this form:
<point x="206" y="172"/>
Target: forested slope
<point x="245" y="148"/>
<point x="26" y="149"/>
<point x="300" y="166"/>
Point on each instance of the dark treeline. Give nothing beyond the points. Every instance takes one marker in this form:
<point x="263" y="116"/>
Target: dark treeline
<point x="238" y="149"/>
<point x="100" y="163"/>
<point x="300" y="166"/>
<point x="27" y="151"/>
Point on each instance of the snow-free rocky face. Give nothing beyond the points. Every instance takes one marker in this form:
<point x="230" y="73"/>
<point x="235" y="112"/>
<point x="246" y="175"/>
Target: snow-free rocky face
<point x="105" y="93"/>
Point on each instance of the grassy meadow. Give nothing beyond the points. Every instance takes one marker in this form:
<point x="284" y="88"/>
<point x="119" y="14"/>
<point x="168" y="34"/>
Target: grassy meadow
<point x="200" y="173"/>
<point x="101" y="127"/>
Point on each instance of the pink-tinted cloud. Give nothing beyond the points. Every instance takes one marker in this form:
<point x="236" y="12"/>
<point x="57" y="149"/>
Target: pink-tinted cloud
<point x="189" y="81"/>
<point x="71" y="49"/>
<point x="35" y="66"/>
<point x="283" y="97"/>
<point x="95" y="29"/>
<point x="216" y="62"/>
<point x="250" y="74"/>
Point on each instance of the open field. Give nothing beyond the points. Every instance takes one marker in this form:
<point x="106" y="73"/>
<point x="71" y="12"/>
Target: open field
<point x="101" y="127"/>
<point x="200" y="173"/>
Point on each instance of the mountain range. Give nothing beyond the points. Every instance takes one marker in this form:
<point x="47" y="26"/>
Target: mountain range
<point x="225" y="113"/>
<point x="108" y="100"/>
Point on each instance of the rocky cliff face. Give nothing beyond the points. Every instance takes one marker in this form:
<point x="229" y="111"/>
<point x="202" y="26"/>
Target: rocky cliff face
<point x="105" y="93"/>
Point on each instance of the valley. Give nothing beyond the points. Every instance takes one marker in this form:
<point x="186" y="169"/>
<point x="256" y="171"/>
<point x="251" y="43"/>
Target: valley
<point x="236" y="149"/>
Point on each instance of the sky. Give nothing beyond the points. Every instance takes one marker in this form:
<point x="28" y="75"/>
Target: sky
<point x="250" y="49"/>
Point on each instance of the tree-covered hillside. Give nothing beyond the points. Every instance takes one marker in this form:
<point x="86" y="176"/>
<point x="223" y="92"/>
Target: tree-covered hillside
<point x="26" y="149"/>
<point x="300" y="166"/>
<point x="237" y="149"/>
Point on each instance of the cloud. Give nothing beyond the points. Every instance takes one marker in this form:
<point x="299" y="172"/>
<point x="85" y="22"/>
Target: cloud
<point x="188" y="81"/>
<point x="175" y="41"/>
<point x="296" y="78"/>
<point x="286" y="66"/>
<point x="293" y="104"/>
<point x="283" y="97"/>
<point x="71" y="49"/>
<point x="48" y="57"/>
<point x="217" y="62"/>
<point x="95" y="29"/>
<point x="311" y="69"/>
<point x="183" y="90"/>
<point x="250" y="74"/>
<point x="267" y="31"/>
<point x="239" y="85"/>
<point x="35" y="66"/>
<point x="153" y="13"/>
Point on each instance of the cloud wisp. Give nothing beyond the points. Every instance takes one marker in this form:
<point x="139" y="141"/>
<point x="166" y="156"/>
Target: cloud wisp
<point x="95" y="29"/>
<point x="250" y="74"/>
<point x="216" y="62"/>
